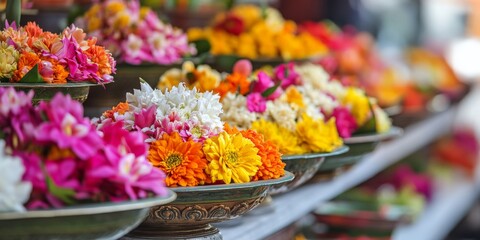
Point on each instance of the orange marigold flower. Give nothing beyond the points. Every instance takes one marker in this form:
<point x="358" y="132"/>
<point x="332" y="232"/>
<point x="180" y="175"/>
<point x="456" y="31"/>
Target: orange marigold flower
<point x="229" y="129"/>
<point x="26" y="62"/>
<point x="100" y="56"/>
<point x="183" y="162"/>
<point x="272" y="166"/>
<point x="53" y="72"/>
<point x="121" y="108"/>
<point x="233" y="83"/>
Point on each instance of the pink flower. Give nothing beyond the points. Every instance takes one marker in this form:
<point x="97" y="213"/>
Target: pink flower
<point x="135" y="51"/>
<point x="286" y="74"/>
<point x="121" y="171"/>
<point x="344" y="121"/>
<point x="263" y="83"/>
<point x="12" y="102"/>
<point x="243" y="67"/>
<point x="66" y="128"/>
<point x="256" y="103"/>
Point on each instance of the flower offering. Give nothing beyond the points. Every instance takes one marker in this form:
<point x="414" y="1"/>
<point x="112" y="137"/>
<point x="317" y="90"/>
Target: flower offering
<point x="188" y="140"/>
<point x="32" y="55"/>
<point x="135" y="34"/>
<point x="252" y="32"/>
<point x="57" y="157"/>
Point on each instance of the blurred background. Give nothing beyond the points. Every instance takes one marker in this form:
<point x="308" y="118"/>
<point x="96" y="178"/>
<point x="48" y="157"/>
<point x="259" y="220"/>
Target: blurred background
<point x="431" y="48"/>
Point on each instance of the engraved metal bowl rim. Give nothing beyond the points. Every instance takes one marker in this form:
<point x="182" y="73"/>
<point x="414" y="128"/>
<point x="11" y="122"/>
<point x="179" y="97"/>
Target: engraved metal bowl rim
<point x="93" y="208"/>
<point x="51" y="85"/>
<point x="340" y="150"/>
<point x="285" y="178"/>
<point x="374" y="137"/>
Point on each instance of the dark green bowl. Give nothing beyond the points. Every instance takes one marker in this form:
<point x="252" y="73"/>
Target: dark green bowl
<point x="89" y="221"/>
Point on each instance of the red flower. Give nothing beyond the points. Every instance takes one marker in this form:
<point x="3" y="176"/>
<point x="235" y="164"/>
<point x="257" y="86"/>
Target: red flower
<point x="232" y="24"/>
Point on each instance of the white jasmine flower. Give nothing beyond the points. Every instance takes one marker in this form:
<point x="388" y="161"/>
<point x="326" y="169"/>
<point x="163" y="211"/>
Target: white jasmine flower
<point x="313" y="75"/>
<point x="282" y="113"/>
<point x="236" y="113"/>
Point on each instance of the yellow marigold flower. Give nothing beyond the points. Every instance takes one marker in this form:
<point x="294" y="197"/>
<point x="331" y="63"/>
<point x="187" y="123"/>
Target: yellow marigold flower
<point x="358" y="102"/>
<point x="318" y="136"/>
<point x="231" y="158"/>
<point x="114" y="7"/>
<point x="93" y="11"/>
<point x="294" y="97"/>
<point x="194" y="34"/>
<point x="249" y="13"/>
<point x="8" y="61"/>
<point x="122" y="20"/>
<point x="94" y="23"/>
<point x="287" y="142"/>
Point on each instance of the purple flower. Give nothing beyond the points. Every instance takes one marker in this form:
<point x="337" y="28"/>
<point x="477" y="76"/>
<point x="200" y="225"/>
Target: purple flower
<point x="345" y="122"/>
<point x="256" y="103"/>
<point x="286" y="74"/>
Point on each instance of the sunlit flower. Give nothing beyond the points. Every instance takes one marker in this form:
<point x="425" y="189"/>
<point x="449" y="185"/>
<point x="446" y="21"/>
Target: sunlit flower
<point x="272" y="166"/>
<point x="182" y="161"/>
<point x="231" y="158"/>
<point x="318" y="136"/>
<point x="359" y="105"/>
<point x="287" y="141"/>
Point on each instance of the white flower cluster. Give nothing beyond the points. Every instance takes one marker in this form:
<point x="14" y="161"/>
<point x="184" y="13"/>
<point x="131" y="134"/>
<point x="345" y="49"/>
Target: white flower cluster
<point x="200" y="110"/>
<point x="13" y="191"/>
<point x="235" y="112"/>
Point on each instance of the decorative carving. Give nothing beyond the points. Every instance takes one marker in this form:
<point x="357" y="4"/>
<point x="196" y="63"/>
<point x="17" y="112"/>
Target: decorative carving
<point x="219" y="212"/>
<point x="166" y="213"/>
<point x="196" y="213"/>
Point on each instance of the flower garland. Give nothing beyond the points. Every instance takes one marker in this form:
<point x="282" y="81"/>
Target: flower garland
<point x="135" y="34"/>
<point x="65" y="160"/>
<point x="188" y="140"/>
<point x="30" y="54"/>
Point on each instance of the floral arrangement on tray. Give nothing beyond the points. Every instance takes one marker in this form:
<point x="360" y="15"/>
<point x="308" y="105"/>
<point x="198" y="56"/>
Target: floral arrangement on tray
<point x="353" y="59"/>
<point x="188" y="140"/>
<point x="51" y="156"/>
<point x="257" y="33"/>
<point x="297" y="107"/>
<point x="135" y="34"/>
<point x="32" y="55"/>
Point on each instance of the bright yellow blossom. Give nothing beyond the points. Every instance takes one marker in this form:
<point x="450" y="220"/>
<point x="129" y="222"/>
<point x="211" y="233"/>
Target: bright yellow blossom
<point x="287" y="142"/>
<point x="8" y="61"/>
<point x="318" y="136"/>
<point x="231" y="158"/>
<point x="294" y="97"/>
<point x="359" y="104"/>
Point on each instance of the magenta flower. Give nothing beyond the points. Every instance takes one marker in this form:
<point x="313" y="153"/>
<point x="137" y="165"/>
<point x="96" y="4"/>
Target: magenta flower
<point x="286" y="74"/>
<point x="345" y="122"/>
<point x="66" y="128"/>
<point x="256" y="103"/>
<point x="121" y="171"/>
<point x="12" y="102"/>
<point x="263" y="83"/>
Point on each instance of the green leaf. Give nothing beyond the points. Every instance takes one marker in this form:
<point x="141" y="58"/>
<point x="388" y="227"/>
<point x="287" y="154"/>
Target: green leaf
<point x="33" y="76"/>
<point x="64" y="194"/>
<point x="270" y="90"/>
<point x="202" y="46"/>
<point x="226" y="62"/>
<point x="286" y="72"/>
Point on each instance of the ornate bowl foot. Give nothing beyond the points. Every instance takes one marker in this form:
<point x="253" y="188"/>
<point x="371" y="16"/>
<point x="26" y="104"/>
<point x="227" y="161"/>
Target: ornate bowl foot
<point x="191" y="232"/>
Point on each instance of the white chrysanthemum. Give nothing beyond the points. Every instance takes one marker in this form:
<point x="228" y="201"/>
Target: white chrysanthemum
<point x="313" y="75"/>
<point x="282" y="113"/>
<point x="336" y="89"/>
<point x="318" y="99"/>
<point x="236" y="113"/>
<point x="145" y="97"/>
<point x="13" y="192"/>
